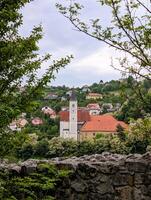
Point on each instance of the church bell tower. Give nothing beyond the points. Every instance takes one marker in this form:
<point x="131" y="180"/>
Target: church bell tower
<point x="73" y="116"/>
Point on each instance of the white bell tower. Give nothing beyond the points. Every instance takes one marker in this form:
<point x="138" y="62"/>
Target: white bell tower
<point x="73" y="132"/>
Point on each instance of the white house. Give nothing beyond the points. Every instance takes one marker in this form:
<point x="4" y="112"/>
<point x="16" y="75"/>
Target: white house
<point x="94" y="108"/>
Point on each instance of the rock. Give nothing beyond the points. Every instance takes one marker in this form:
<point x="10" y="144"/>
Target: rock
<point x="78" y="186"/>
<point x="96" y="177"/>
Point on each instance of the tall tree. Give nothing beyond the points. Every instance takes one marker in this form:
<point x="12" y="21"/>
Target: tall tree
<point x="128" y="31"/>
<point x="19" y="60"/>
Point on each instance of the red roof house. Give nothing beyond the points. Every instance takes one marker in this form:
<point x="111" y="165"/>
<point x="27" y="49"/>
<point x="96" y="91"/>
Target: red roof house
<point x="37" y="121"/>
<point x="102" y="123"/>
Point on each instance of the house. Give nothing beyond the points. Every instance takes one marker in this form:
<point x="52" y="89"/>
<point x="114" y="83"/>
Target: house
<point x="63" y="98"/>
<point x="13" y="126"/>
<point x="77" y="123"/>
<point x="117" y="106"/>
<point x="51" y="96"/>
<point x="22" y="122"/>
<point x="18" y="124"/>
<point x="104" y="124"/>
<point x="94" y="108"/>
<point x="107" y="107"/>
<point x="94" y="96"/>
<point x="69" y="93"/>
<point x="37" y="121"/>
<point x="86" y="88"/>
<point x="49" y="111"/>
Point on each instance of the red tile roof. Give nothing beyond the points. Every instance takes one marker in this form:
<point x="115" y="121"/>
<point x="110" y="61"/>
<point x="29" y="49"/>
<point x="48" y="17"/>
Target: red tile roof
<point x="37" y="121"/>
<point x="102" y="123"/>
<point x="93" y="106"/>
<point x="83" y="116"/>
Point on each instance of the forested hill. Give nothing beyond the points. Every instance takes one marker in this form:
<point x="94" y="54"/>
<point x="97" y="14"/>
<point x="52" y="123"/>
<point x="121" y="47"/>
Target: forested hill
<point x="134" y="102"/>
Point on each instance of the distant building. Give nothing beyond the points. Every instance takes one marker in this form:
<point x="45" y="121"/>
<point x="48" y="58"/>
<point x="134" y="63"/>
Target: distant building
<point x="101" y="82"/>
<point x="86" y="88"/>
<point x="51" y="96"/>
<point x="49" y="111"/>
<point x="63" y="98"/>
<point x="117" y="106"/>
<point x="108" y="107"/>
<point x="71" y="120"/>
<point x="37" y="121"/>
<point x="13" y="126"/>
<point x="94" y="108"/>
<point x="69" y="93"/>
<point x="94" y="96"/>
<point x="18" y="124"/>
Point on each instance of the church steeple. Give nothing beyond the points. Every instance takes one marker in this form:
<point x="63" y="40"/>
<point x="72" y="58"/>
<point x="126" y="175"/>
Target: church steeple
<point x="73" y="115"/>
<point x="73" y="96"/>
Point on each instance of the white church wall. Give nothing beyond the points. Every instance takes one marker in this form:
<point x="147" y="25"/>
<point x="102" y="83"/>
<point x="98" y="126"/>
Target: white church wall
<point x="73" y="117"/>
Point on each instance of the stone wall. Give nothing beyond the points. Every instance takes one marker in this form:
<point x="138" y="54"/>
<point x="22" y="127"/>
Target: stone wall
<point x="98" y="177"/>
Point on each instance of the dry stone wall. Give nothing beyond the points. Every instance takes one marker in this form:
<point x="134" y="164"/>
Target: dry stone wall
<point x="98" y="177"/>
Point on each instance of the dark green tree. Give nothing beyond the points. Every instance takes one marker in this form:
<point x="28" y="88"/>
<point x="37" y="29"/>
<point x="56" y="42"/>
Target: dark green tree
<point x="120" y="132"/>
<point x="19" y="60"/>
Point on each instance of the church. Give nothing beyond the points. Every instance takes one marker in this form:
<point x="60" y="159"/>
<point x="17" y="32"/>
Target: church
<point x="76" y="123"/>
<point x="72" y="119"/>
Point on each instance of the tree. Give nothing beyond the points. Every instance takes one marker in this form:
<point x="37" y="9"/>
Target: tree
<point x="19" y="61"/>
<point x="120" y="132"/>
<point x="129" y="32"/>
<point x="139" y="135"/>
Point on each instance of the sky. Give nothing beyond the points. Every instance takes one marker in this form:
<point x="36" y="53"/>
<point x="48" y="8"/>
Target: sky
<point x="92" y="59"/>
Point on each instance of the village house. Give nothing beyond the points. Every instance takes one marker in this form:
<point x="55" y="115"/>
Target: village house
<point x="107" y="107"/>
<point x="94" y="108"/>
<point x="36" y="121"/>
<point x="49" y="111"/>
<point x="85" y="88"/>
<point x="51" y="96"/>
<point x="77" y="123"/>
<point x="94" y="96"/>
<point x="68" y="93"/>
<point x="63" y="98"/>
<point x="18" y="124"/>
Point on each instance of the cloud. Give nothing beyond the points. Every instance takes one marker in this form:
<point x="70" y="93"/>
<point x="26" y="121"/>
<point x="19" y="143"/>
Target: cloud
<point x="92" y="60"/>
<point x="91" y="68"/>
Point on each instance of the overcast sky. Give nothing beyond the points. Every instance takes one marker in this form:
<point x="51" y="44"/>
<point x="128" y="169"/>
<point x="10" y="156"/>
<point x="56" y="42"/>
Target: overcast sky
<point x="92" y="59"/>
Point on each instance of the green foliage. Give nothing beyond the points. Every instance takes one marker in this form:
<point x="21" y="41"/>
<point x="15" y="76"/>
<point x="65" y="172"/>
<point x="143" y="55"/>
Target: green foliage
<point x="25" y="152"/>
<point x="121" y="133"/>
<point x="139" y="136"/>
<point x="40" y="185"/>
<point x="136" y="139"/>
<point x="41" y="148"/>
<point x="128" y="32"/>
<point x="20" y="59"/>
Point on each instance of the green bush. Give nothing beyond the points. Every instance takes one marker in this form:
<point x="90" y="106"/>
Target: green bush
<point x="40" y="185"/>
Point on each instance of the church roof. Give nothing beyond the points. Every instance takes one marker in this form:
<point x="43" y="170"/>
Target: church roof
<point x="83" y="116"/>
<point x="102" y="123"/>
